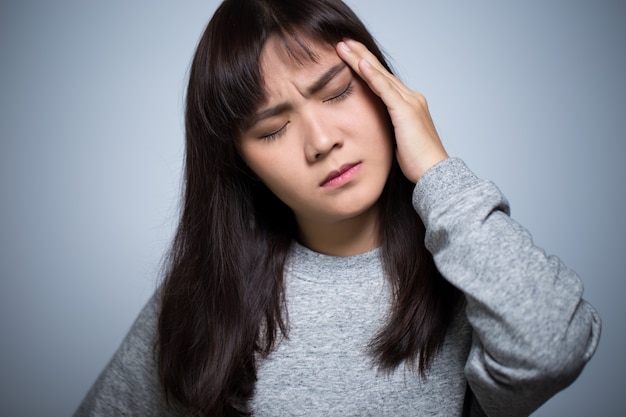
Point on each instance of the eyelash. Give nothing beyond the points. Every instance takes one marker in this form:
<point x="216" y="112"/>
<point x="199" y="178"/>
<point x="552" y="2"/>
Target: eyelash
<point x="280" y="132"/>
<point x="275" y="134"/>
<point x="343" y="95"/>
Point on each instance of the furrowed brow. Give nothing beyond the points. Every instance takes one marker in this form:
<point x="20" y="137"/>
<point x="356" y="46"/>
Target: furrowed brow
<point x="318" y="85"/>
<point x="326" y="78"/>
<point x="269" y="112"/>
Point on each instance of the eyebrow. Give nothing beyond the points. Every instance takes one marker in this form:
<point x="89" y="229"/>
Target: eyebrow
<point x="315" y="87"/>
<point x="326" y="77"/>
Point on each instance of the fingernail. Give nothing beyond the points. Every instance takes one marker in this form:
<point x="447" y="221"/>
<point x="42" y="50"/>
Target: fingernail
<point x="343" y="45"/>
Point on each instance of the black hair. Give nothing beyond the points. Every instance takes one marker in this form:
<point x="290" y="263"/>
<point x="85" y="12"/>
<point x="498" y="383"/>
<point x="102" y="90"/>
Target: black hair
<point x="222" y="300"/>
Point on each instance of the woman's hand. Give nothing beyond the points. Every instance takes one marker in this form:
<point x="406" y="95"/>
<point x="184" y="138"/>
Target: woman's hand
<point x="418" y="144"/>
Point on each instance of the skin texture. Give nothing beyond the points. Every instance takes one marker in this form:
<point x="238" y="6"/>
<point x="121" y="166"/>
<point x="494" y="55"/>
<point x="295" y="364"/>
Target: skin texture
<point x="418" y="144"/>
<point x="328" y="118"/>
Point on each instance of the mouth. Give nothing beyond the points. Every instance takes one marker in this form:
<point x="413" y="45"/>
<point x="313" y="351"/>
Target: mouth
<point x="341" y="176"/>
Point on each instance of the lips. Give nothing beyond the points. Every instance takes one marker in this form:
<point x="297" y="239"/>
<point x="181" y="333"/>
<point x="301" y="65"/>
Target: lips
<point x="344" y="173"/>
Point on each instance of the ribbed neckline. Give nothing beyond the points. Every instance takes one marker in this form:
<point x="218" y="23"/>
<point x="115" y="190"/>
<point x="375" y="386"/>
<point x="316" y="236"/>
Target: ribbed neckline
<point x="309" y="265"/>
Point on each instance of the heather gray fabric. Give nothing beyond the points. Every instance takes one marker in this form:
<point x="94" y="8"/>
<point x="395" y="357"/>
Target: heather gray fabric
<point x="526" y="332"/>
<point x="533" y="332"/>
<point x="335" y="307"/>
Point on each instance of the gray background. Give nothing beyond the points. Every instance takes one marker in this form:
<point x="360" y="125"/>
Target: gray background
<point x="530" y="94"/>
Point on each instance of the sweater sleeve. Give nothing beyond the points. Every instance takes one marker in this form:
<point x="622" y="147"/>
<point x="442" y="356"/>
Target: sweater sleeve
<point x="129" y="386"/>
<point x="532" y="331"/>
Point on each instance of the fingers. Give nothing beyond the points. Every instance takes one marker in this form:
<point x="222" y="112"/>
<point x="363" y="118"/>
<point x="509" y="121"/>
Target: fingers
<point x="368" y="67"/>
<point x="418" y="144"/>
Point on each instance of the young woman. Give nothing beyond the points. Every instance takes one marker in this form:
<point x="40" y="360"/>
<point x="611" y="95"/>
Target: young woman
<point x="331" y="259"/>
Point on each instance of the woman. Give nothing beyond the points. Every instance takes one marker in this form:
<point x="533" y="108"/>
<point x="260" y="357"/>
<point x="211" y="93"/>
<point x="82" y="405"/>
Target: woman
<point x="331" y="259"/>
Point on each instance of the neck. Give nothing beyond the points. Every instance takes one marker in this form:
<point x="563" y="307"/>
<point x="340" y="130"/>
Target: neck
<point x="348" y="237"/>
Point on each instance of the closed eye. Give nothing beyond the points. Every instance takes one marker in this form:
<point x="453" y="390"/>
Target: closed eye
<point x="341" y="96"/>
<point x="275" y="134"/>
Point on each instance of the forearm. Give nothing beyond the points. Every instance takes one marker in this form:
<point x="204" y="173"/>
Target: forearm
<point x="533" y="332"/>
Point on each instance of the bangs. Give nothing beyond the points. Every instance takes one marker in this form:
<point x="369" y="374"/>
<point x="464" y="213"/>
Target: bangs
<point x="294" y="46"/>
<point x="227" y="83"/>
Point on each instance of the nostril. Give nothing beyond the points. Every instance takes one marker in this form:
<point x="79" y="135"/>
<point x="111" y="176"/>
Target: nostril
<point x="318" y="148"/>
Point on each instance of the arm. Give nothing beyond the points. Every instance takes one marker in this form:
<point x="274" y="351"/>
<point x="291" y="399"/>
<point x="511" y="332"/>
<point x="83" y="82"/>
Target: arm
<point x="129" y="384"/>
<point x="533" y="332"/>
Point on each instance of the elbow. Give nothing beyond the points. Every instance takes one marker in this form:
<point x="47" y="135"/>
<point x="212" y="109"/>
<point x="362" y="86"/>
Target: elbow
<point x="546" y="359"/>
<point x="565" y="357"/>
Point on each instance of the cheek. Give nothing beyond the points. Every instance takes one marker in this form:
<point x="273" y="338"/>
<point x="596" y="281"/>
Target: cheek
<point x="254" y="156"/>
<point x="271" y="172"/>
<point x="373" y="114"/>
<point x="378" y="125"/>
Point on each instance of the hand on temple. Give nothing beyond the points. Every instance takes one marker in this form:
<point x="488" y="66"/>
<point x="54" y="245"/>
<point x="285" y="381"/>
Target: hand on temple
<point x="418" y="144"/>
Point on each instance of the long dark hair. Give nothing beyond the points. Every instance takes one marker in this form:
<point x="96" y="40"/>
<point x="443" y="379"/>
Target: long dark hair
<point x="222" y="300"/>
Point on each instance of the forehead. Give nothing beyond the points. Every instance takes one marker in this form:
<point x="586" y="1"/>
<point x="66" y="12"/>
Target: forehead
<point x="288" y="56"/>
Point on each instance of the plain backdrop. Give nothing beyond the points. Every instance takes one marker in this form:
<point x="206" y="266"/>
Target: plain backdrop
<point x="531" y="94"/>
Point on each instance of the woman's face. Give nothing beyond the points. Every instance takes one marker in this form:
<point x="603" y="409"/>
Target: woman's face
<point x="321" y="141"/>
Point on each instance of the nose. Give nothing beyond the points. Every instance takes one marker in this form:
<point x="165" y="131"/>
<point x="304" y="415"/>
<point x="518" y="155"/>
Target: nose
<point x="319" y="138"/>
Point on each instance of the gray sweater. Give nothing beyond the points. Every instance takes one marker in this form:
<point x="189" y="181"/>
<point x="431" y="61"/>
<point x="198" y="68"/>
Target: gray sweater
<point x="525" y="334"/>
